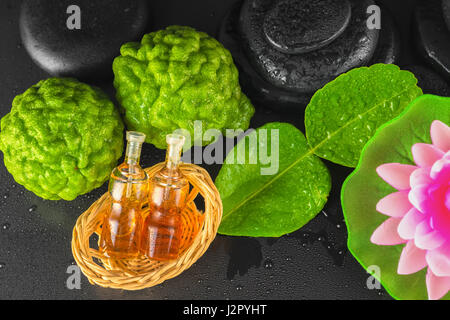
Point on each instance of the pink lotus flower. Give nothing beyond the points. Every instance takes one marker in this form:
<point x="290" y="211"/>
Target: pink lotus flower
<point x="420" y="211"/>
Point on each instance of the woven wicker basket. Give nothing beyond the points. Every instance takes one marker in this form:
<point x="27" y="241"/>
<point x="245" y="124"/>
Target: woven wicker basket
<point x="140" y="273"/>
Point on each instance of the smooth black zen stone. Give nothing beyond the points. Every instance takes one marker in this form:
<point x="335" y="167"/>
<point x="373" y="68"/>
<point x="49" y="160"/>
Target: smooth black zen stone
<point x="430" y="81"/>
<point x="260" y="91"/>
<point x="389" y="43"/>
<point x="263" y="92"/>
<point x="446" y="12"/>
<point x="432" y="36"/>
<point x="303" y="26"/>
<point x="305" y="73"/>
<point x="89" y="51"/>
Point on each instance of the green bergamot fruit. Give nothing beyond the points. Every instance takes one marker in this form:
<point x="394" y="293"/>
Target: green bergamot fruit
<point x="61" y="139"/>
<point x="174" y="77"/>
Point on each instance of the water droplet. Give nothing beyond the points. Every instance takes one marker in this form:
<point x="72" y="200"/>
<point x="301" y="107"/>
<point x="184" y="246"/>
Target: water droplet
<point x="238" y="288"/>
<point x="33" y="208"/>
<point x="6" y="195"/>
<point x="6" y="226"/>
<point x="2" y="265"/>
<point x="268" y="264"/>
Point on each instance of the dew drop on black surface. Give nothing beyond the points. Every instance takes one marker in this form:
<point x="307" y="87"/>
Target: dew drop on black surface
<point x="268" y="264"/>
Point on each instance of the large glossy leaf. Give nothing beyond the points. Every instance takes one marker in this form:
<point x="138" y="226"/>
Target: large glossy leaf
<point x="345" y="113"/>
<point x="261" y="205"/>
<point x="364" y="188"/>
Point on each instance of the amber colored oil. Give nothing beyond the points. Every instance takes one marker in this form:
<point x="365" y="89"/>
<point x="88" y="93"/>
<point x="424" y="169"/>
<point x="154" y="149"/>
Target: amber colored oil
<point x="161" y="236"/>
<point x="162" y="227"/>
<point x="128" y="188"/>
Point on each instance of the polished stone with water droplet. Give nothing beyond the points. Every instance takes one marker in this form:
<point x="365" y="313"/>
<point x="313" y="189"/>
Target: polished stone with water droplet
<point x="430" y="81"/>
<point x="86" y="52"/>
<point x="286" y="82"/>
<point x="432" y="36"/>
<point x="389" y="42"/>
<point x="295" y="27"/>
<point x="446" y="12"/>
<point x="309" y="71"/>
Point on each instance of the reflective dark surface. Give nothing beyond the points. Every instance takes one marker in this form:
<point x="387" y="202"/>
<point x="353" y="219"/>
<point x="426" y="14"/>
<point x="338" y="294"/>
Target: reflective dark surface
<point x="35" y="235"/>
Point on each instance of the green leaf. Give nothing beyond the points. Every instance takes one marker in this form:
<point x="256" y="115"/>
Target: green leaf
<point x="364" y="188"/>
<point x="272" y="205"/>
<point x="345" y="113"/>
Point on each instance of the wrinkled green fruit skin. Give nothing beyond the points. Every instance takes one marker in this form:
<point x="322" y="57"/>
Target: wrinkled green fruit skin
<point x="61" y="139"/>
<point x="174" y="77"/>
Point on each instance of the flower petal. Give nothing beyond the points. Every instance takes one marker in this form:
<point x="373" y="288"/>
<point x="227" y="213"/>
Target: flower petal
<point x="395" y="204"/>
<point x="396" y="174"/>
<point x="425" y="155"/>
<point x="440" y="135"/>
<point x="440" y="171"/>
<point x="439" y="261"/>
<point x="418" y="197"/>
<point x="407" y="227"/>
<point x="412" y="259"/>
<point x="386" y="234"/>
<point x="426" y="238"/>
<point x="420" y="177"/>
<point x="437" y="286"/>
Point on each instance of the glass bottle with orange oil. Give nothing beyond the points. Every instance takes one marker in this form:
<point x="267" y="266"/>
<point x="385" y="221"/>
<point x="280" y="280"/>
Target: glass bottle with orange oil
<point x="128" y="188"/>
<point x="168" y="191"/>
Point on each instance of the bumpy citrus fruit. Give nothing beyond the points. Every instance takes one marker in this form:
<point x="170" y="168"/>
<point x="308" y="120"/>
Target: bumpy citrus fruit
<point x="174" y="77"/>
<point x="61" y="139"/>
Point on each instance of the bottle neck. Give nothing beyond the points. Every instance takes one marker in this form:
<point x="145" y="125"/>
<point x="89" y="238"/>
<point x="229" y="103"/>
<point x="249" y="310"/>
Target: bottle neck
<point x="133" y="153"/>
<point x="173" y="159"/>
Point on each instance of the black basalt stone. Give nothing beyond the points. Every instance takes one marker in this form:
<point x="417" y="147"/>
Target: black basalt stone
<point x="303" y="26"/>
<point x="260" y="91"/>
<point x="446" y="12"/>
<point x="87" y="52"/>
<point x="310" y="71"/>
<point x="286" y="99"/>
<point x="389" y="43"/>
<point x="430" y="81"/>
<point x="432" y="37"/>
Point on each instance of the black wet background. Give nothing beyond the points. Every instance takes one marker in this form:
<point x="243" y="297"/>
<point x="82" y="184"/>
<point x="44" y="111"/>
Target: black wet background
<point x="35" y="235"/>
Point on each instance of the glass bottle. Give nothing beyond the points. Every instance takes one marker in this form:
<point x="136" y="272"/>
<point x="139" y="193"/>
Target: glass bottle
<point x="128" y="188"/>
<point x="168" y="190"/>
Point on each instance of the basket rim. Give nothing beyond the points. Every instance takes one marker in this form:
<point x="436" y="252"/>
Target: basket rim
<point x="136" y="274"/>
